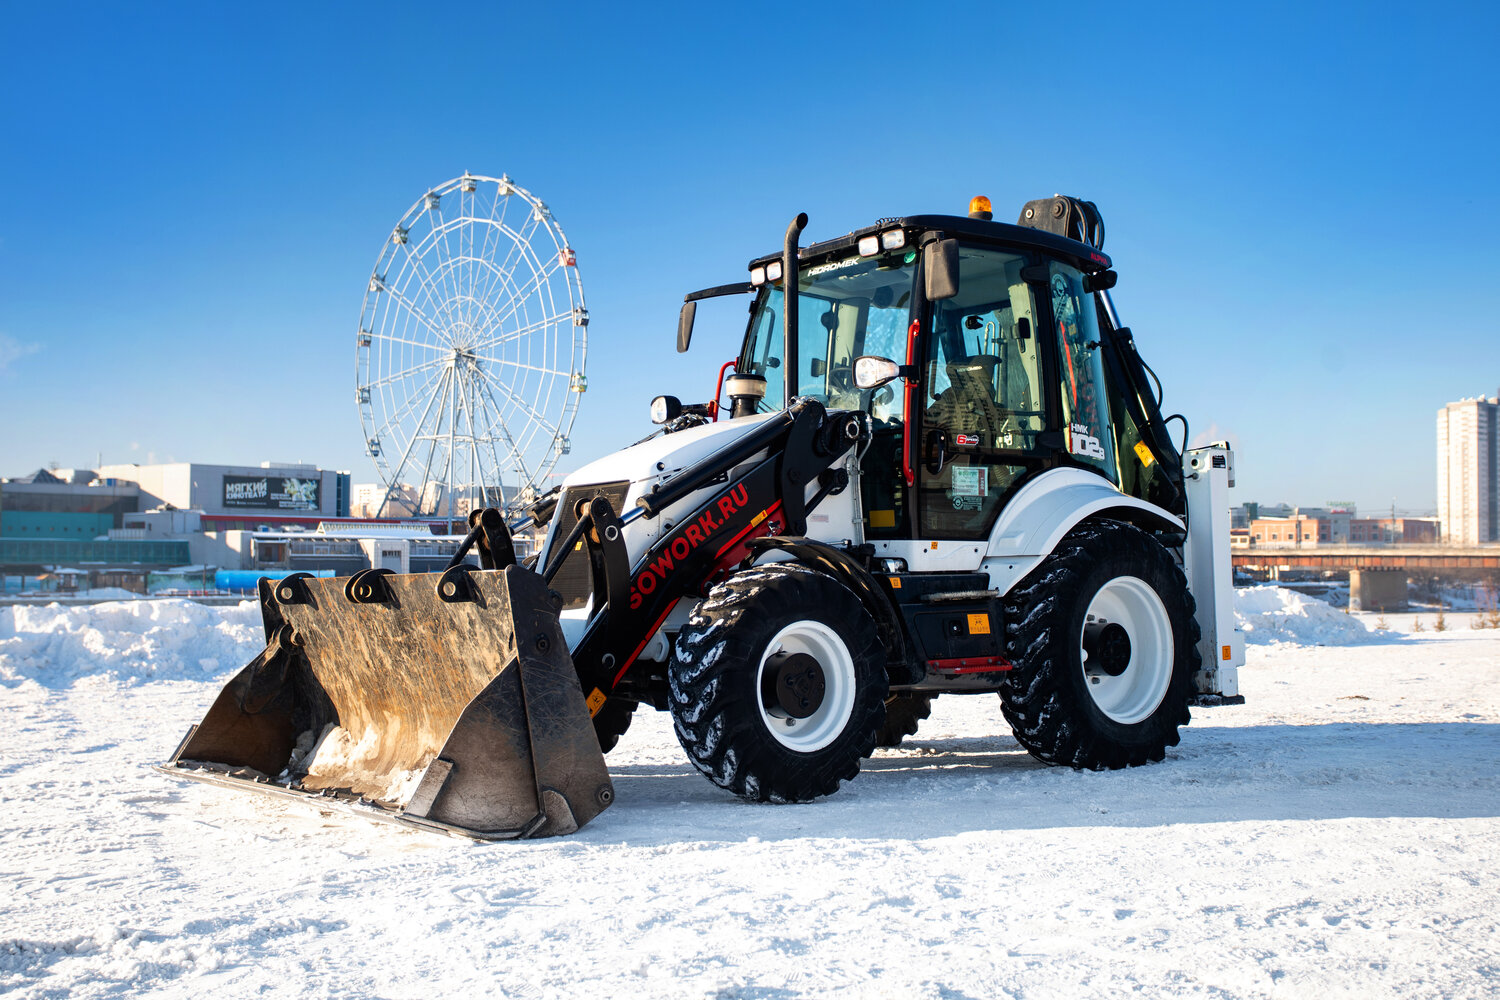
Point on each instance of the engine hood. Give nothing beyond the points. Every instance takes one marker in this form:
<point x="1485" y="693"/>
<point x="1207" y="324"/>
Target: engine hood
<point x="666" y="455"/>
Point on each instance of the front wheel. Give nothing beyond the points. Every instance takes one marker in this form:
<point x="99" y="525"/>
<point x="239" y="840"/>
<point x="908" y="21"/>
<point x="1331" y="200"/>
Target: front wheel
<point x="1104" y="646"/>
<point x="778" y="686"/>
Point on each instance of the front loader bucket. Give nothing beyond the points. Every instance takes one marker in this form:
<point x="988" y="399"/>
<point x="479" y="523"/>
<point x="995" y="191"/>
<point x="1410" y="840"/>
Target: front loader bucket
<point x="458" y="711"/>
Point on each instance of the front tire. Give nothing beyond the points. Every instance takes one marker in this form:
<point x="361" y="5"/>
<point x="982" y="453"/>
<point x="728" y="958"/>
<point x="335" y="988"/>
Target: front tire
<point x="778" y="686"/>
<point x="1104" y="646"/>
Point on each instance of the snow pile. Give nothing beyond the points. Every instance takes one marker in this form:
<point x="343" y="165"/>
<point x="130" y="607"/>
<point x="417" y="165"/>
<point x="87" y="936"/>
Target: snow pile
<point x="1269" y="615"/>
<point x="129" y="640"/>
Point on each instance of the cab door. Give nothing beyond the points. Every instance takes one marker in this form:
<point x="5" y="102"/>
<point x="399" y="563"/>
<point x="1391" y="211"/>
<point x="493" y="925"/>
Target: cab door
<point x="883" y="491"/>
<point x="983" y="397"/>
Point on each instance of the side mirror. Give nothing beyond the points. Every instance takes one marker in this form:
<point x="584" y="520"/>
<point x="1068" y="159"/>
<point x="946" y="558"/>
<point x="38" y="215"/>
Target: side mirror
<point x="940" y="265"/>
<point x="872" y="371"/>
<point x="1100" y="281"/>
<point x="685" y="326"/>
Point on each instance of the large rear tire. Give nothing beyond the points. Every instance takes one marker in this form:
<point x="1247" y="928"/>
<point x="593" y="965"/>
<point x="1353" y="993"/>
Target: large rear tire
<point x="1104" y="646"/>
<point x="778" y="686"/>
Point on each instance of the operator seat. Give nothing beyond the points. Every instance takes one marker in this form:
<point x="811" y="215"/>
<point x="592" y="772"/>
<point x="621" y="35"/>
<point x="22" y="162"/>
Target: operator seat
<point x="968" y="405"/>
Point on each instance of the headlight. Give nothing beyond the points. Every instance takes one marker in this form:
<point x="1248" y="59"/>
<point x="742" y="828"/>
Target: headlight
<point x="664" y="408"/>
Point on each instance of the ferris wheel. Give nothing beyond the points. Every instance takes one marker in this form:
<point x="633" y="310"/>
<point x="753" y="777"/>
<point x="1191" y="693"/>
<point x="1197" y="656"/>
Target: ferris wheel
<point x="471" y="346"/>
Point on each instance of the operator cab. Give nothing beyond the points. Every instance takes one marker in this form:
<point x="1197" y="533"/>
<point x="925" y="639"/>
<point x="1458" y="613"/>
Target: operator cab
<point x="980" y="351"/>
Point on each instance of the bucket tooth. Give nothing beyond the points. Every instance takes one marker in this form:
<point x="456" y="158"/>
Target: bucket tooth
<point x="463" y="716"/>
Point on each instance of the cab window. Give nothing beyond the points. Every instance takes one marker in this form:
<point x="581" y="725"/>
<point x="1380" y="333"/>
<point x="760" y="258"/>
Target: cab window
<point x="983" y="396"/>
<point x="1085" y="402"/>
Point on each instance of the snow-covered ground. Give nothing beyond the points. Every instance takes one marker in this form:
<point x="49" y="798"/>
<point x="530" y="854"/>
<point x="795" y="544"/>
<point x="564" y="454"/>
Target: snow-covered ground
<point x="1339" y="835"/>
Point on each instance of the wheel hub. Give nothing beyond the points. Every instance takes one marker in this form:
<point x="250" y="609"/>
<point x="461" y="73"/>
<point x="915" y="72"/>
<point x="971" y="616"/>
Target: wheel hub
<point x="1126" y="650"/>
<point x="794" y="683"/>
<point x="1108" y="647"/>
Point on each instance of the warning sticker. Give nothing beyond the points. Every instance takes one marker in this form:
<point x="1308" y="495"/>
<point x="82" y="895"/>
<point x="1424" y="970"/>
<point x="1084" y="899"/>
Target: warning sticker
<point x="1144" y="454"/>
<point x="979" y="624"/>
<point x="971" y="480"/>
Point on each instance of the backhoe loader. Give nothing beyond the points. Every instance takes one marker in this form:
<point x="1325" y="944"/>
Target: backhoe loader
<point x="940" y="467"/>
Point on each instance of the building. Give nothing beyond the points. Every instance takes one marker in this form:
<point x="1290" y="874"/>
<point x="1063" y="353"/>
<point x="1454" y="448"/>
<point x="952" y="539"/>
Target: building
<point x="59" y="524"/>
<point x="1393" y="531"/>
<point x="64" y="503"/>
<point x="1311" y="526"/>
<point x="239" y="497"/>
<point x="370" y="500"/>
<point x="1468" y="439"/>
<point x="1298" y="529"/>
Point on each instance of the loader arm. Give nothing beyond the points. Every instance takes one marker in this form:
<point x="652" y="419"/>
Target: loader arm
<point x="707" y="540"/>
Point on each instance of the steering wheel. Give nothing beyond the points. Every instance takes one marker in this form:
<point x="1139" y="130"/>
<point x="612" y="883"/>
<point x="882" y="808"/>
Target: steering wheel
<point x="878" y="397"/>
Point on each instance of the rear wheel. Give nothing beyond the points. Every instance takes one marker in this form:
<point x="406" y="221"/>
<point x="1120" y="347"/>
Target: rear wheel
<point x="778" y="686"/>
<point x="612" y="721"/>
<point x="1105" y="645"/>
<point x="903" y="714"/>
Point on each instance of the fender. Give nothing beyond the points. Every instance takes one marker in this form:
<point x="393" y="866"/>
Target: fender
<point x="1048" y="507"/>
<point x="845" y="568"/>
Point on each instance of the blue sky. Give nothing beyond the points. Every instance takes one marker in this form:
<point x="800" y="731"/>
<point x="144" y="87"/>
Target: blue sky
<point x="1300" y="201"/>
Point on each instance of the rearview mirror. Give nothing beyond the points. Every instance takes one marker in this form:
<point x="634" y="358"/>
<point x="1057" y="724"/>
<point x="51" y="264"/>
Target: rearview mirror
<point x="1100" y="281"/>
<point x="685" y="326"/>
<point x="940" y="265"/>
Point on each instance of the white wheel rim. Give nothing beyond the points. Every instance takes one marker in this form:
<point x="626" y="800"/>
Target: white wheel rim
<point x="826" y="723"/>
<point x="1136" y="692"/>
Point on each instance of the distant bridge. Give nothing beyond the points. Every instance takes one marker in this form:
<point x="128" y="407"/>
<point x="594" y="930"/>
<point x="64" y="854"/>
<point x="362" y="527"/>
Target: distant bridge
<point x="1421" y="558"/>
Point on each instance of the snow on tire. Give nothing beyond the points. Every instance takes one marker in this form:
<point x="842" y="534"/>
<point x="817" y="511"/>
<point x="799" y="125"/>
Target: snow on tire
<point x="778" y="685"/>
<point x="1105" y="645"/>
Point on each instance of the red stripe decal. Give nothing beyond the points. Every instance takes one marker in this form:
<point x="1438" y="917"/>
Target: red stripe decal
<point x="631" y="658"/>
<point x="736" y="539"/>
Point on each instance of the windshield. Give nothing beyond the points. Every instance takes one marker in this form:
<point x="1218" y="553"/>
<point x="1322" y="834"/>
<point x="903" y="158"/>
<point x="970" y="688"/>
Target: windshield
<point x="845" y="308"/>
